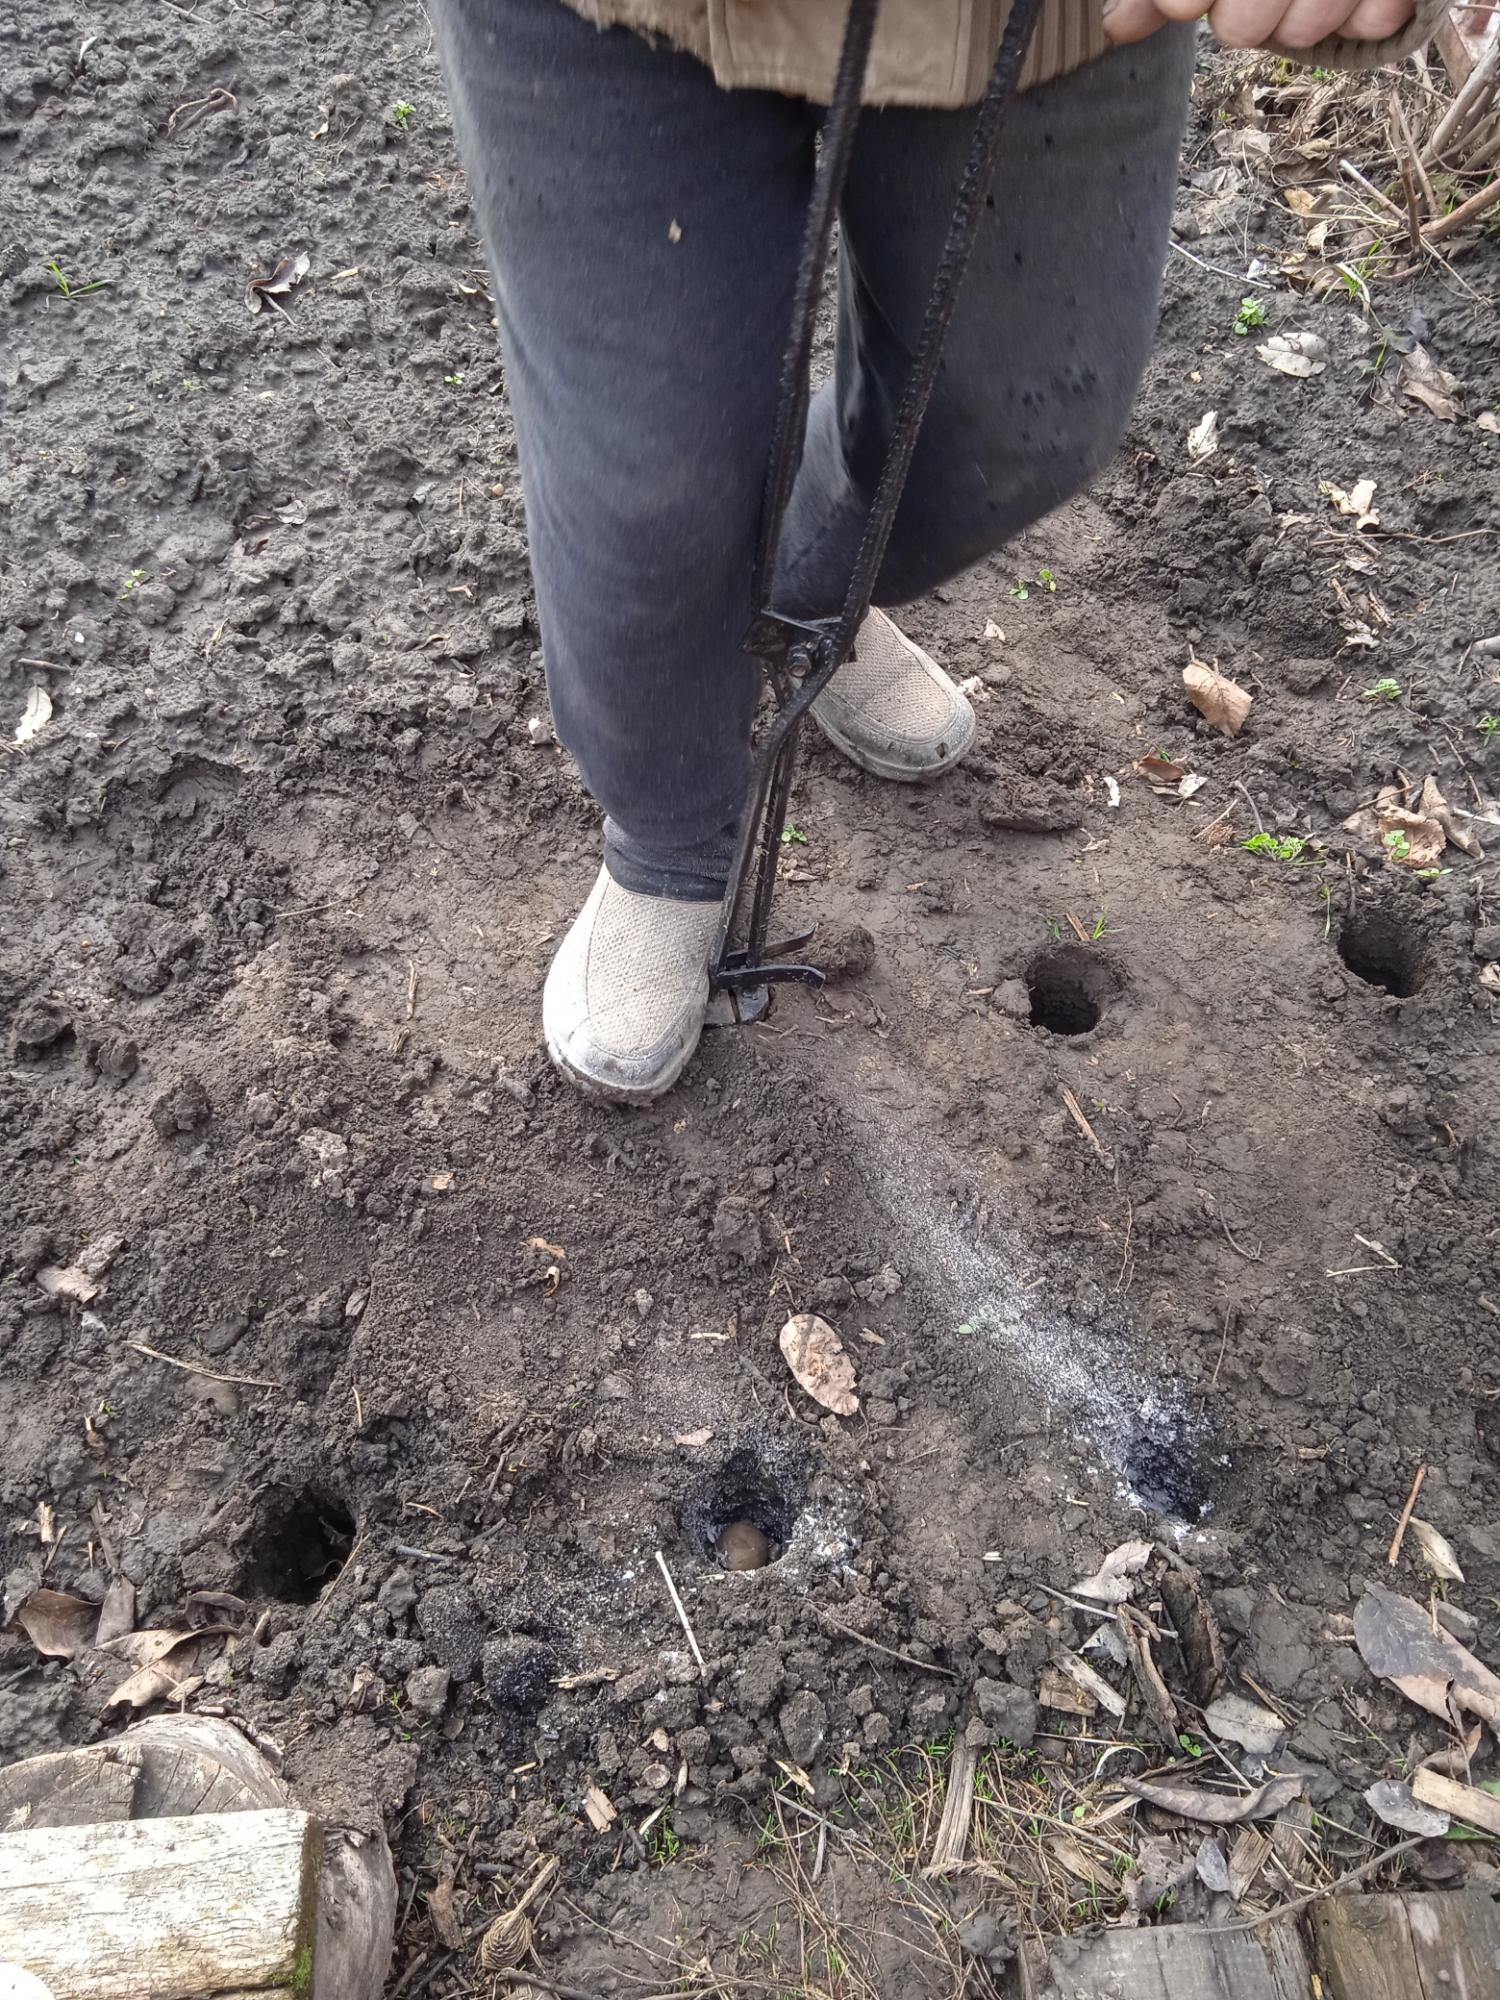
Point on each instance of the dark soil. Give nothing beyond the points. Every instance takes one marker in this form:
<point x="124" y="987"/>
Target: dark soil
<point x="281" y="878"/>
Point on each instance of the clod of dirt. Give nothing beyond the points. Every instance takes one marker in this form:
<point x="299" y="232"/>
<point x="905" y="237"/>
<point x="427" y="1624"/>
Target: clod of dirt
<point x="804" y="1726"/>
<point x="1039" y="810"/>
<point x="39" y="1025"/>
<point x="115" y="1056"/>
<point x="450" y="1620"/>
<point x="1377" y="949"/>
<point x="517" y="1671"/>
<point x="183" y="1108"/>
<point x="743" y="1546"/>
<point x="845" y="951"/>
<point x="427" y="1690"/>
<point x="736" y="1230"/>
<point x="1011" y="1712"/>
<point x="1069" y="987"/>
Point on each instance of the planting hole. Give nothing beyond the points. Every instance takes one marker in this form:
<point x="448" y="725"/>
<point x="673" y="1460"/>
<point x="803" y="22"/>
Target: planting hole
<point x="1069" y="987"/>
<point x="305" y="1534"/>
<point x="744" y="1516"/>
<point x="1377" y="950"/>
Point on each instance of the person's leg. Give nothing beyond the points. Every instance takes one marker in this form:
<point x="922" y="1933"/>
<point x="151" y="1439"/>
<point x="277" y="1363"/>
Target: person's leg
<point x="643" y="228"/>
<point x="1050" y="337"/>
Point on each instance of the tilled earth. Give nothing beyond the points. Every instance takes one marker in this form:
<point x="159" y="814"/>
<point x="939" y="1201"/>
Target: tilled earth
<point x="282" y="872"/>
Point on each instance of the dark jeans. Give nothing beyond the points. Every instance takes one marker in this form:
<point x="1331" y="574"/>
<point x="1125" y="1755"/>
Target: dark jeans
<point x="644" y="229"/>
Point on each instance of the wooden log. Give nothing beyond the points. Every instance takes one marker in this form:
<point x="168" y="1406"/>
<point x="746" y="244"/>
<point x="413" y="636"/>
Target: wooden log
<point x="179" y="1764"/>
<point x="176" y="1908"/>
<point x="1181" y="1962"/>
<point x="1407" y="1947"/>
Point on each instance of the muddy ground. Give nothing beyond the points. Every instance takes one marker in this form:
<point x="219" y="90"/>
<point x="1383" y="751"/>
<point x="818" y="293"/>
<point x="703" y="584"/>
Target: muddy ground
<point x="282" y="873"/>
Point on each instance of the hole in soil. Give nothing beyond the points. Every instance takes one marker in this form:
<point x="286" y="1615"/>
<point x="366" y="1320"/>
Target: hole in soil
<point x="305" y="1534"/>
<point x="744" y="1516"/>
<point x="1069" y="987"/>
<point x="1379" y="951"/>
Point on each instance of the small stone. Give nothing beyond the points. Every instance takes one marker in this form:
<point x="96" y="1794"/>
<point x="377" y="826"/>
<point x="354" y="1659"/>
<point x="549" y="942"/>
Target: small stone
<point x="117" y="1057"/>
<point x="804" y="1726"/>
<point x="643" y="1301"/>
<point x="183" y="1108"/>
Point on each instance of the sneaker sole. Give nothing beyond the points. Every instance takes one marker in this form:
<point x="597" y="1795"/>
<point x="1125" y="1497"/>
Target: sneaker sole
<point x="899" y="773"/>
<point x="621" y="1093"/>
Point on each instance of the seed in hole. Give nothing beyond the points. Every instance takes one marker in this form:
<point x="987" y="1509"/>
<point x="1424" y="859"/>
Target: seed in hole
<point x="743" y="1546"/>
<point x="1378" y="950"/>
<point x="1069" y="987"/>
<point x="305" y="1534"/>
<point x="743" y="1515"/>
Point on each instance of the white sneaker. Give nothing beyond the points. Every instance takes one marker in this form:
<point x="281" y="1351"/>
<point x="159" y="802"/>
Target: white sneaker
<point x="626" y="994"/>
<point x="892" y="709"/>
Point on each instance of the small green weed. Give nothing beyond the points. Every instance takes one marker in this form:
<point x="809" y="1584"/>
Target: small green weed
<point x="1487" y="725"/>
<point x="1100" y="930"/>
<point x="454" y="381"/>
<point x="665" y="1845"/>
<point x="132" y="582"/>
<point x="1191" y="1745"/>
<point x="793" y="836"/>
<point x="1397" y="842"/>
<point x="1252" y="313"/>
<point x="1383" y="690"/>
<point x="1047" y="580"/>
<point x="403" y="113"/>
<point x="1280" y="846"/>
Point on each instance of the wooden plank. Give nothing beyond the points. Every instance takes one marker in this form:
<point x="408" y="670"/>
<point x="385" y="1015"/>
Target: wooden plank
<point x="1181" y="1962"/>
<point x="1462" y="36"/>
<point x="1413" y="1947"/>
<point x="171" y="1907"/>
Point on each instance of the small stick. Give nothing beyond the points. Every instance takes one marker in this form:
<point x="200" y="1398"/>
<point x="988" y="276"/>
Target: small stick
<point x="1255" y="810"/>
<point x="1467" y="211"/>
<point x="1080" y="932"/>
<point x="1329" y="1888"/>
<point x="411" y="988"/>
<point x="550" y="1986"/>
<point x="1394" y="1552"/>
<point x="681" y="1609"/>
<point x="192" y="1368"/>
<point x="1075" y="1111"/>
<point x="922" y="1666"/>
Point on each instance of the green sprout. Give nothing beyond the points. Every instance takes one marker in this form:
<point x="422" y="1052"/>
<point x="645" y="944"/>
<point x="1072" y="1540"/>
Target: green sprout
<point x="401" y="111"/>
<point x="1192" y="1746"/>
<point x="68" y="290"/>
<point x="1280" y="846"/>
<point x="1397" y="842"/>
<point x="1252" y="313"/>
<point x="1383" y="690"/>
<point x="1020" y="589"/>
<point x="454" y="381"/>
<point x="1100" y="930"/>
<point x="793" y="836"/>
<point x="665" y="1845"/>
<point x="1487" y="725"/>
<point x="1047" y="580"/>
<point x="132" y="582"/>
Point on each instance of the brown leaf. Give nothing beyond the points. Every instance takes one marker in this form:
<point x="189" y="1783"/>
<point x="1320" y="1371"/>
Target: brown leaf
<point x="1410" y="839"/>
<point x="34" y="716"/>
<point x="57" y="1625"/>
<point x="67" y="1281"/>
<point x="444" y="1916"/>
<point x="1432" y="805"/>
<point x="117" y="1613"/>
<point x="1397" y="1641"/>
<point x="1159" y="771"/>
<point x="1437" y="1550"/>
<point x="1110" y="1583"/>
<point x="1296" y="354"/>
<point x="1197" y="1633"/>
<point x="1218" y="1808"/>
<point x="289" y="271"/>
<point x="552" y="1249"/>
<point x="693" y="1440"/>
<point x="815" y="1355"/>
<point x="144" y="1649"/>
<point x="1424" y="382"/>
<point x="158" y="1680"/>
<point x="1217" y="699"/>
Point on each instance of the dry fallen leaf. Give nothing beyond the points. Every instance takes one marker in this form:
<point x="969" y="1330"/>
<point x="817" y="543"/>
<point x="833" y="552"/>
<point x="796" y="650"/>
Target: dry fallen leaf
<point x="1437" y="1550"/>
<point x="1298" y="354"/>
<point x="1395" y="1804"/>
<point x="144" y="1649"/>
<point x="1217" y="699"/>
<point x="1398" y="1642"/>
<point x="693" y="1439"/>
<point x="815" y="1355"/>
<point x="602" y="1814"/>
<point x="1358" y="502"/>
<point x="1410" y="839"/>
<point x="67" y="1281"/>
<point x="57" y="1625"/>
<point x="1489" y="977"/>
<point x="1237" y="1719"/>
<point x="117" y="1613"/>
<point x="1110" y="1583"/>
<point x="35" y="715"/>
<point x="1203" y="438"/>
<point x="289" y="271"/>
<point x="1219" y="1808"/>
<point x="1432" y="805"/>
<point x="992" y="631"/>
<point x="1160" y="771"/>
<point x="155" y="1683"/>
<point x="552" y="1249"/>
<point x="1301" y="201"/>
<point x="1424" y="382"/>
<point x="1489" y="420"/>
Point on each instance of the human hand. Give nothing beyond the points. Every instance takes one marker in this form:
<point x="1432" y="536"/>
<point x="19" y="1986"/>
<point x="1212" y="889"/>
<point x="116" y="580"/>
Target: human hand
<point x="1249" y="24"/>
